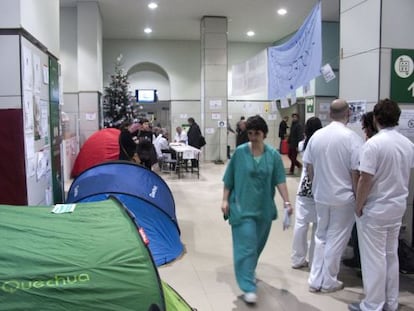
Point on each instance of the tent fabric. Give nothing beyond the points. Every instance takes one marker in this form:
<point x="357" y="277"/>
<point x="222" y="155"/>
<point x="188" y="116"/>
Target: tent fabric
<point x="124" y="177"/>
<point x="145" y="195"/>
<point x="173" y="300"/>
<point x="164" y="239"/>
<point x="91" y="259"/>
<point x="101" y="146"/>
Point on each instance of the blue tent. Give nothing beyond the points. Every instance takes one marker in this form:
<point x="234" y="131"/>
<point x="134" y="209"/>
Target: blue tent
<point x="144" y="194"/>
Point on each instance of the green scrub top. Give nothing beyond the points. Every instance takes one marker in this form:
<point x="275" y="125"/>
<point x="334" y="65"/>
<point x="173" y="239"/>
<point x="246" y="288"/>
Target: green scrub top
<point x="252" y="184"/>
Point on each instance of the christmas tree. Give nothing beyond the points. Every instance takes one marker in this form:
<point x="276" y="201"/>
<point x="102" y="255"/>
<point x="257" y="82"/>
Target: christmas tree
<point x="119" y="105"/>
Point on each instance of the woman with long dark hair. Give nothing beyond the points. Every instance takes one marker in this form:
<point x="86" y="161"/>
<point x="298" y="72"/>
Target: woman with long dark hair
<point x="305" y="213"/>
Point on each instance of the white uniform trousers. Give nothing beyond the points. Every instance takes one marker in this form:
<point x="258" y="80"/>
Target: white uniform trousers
<point x="305" y="214"/>
<point x="378" y="244"/>
<point x="331" y="237"/>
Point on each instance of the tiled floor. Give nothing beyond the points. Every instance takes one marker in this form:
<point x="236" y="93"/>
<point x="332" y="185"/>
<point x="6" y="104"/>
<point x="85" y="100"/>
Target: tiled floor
<point x="204" y="274"/>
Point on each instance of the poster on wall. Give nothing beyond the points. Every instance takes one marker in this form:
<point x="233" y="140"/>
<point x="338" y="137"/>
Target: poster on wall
<point x="406" y="123"/>
<point x="358" y="108"/>
<point x="215" y="116"/>
<point x="37" y="70"/>
<point x="27" y="69"/>
<point x="324" y="113"/>
<point x="284" y="103"/>
<point x="43" y="165"/>
<point x="30" y="146"/>
<point x="215" y="104"/>
<point x="28" y="111"/>
<point x="44" y="120"/>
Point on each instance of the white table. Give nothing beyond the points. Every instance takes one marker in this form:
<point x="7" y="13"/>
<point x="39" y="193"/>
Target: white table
<point x="186" y="152"/>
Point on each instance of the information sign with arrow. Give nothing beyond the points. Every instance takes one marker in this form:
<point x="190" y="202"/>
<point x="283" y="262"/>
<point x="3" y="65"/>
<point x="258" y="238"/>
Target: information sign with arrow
<point x="402" y="75"/>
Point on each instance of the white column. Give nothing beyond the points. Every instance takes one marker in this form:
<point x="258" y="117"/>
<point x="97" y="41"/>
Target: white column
<point x="214" y="84"/>
<point x="89" y="53"/>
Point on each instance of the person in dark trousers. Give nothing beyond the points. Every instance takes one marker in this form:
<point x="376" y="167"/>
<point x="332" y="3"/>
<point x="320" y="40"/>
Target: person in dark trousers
<point x="242" y="118"/>
<point x="296" y="135"/>
<point x="283" y="130"/>
<point x="242" y="136"/>
<point x="127" y="143"/>
<point x="367" y="122"/>
<point x="194" y="136"/>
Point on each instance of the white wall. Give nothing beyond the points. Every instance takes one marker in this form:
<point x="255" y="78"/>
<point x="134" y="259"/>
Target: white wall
<point x="89" y="42"/>
<point x="10" y="90"/>
<point x="69" y="48"/>
<point x="360" y="44"/>
<point x="180" y="59"/>
<point x="398" y="24"/>
<point x="10" y="14"/>
<point x="39" y="18"/>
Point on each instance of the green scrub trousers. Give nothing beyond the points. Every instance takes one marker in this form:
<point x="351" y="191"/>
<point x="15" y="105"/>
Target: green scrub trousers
<point x="249" y="239"/>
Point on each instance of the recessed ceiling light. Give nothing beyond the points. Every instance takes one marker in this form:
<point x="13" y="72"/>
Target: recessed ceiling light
<point x="281" y="11"/>
<point x="250" y="33"/>
<point x="152" y="5"/>
<point x="147" y="30"/>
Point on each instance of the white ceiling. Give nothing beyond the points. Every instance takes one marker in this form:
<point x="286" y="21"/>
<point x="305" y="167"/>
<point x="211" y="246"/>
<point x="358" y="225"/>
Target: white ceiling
<point x="180" y="19"/>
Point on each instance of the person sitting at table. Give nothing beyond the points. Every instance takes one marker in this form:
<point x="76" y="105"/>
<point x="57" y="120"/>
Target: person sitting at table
<point x="180" y="135"/>
<point x="161" y="142"/>
<point x="145" y="137"/>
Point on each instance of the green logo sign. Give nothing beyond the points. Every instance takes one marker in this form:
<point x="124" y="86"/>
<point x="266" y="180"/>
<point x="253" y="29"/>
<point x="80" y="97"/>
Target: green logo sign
<point x="402" y="76"/>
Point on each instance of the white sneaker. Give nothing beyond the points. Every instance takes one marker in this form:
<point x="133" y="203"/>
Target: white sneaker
<point x="301" y="265"/>
<point x="250" y="298"/>
<point x="336" y="288"/>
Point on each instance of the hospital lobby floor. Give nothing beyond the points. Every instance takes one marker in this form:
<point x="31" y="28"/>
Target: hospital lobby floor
<point x="204" y="275"/>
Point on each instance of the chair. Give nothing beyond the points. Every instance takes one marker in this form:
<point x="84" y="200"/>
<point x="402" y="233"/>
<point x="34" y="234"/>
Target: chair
<point x="168" y="164"/>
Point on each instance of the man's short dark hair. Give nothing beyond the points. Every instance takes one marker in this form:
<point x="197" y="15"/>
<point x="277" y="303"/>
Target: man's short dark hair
<point x="387" y="113"/>
<point x="257" y="123"/>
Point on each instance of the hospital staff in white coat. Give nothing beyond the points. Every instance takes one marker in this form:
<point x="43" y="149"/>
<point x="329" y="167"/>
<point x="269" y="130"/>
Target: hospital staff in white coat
<point x="332" y="162"/>
<point x="382" y="191"/>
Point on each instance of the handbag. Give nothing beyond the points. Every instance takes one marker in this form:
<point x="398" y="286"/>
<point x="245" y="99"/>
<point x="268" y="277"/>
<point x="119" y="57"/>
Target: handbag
<point x="202" y="141"/>
<point x="305" y="189"/>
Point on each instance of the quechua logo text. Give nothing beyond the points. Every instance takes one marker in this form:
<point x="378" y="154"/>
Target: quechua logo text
<point x="58" y="281"/>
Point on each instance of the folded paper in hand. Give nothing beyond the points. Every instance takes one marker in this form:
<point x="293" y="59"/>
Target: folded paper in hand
<point x="286" y="219"/>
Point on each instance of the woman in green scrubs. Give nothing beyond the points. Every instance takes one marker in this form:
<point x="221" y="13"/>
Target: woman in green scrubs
<point x="250" y="179"/>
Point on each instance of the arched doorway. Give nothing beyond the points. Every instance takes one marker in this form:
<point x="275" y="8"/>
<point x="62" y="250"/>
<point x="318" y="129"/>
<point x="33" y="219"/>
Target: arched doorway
<point x="151" y="76"/>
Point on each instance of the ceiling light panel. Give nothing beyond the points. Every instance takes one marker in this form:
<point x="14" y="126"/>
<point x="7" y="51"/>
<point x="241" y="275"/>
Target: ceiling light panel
<point x="152" y="5"/>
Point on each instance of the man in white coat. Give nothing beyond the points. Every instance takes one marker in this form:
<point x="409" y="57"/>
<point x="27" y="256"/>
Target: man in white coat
<point x="332" y="162"/>
<point x="382" y="191"/>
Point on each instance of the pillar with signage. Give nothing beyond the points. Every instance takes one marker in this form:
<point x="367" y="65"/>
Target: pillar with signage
<point x="55" y="131"/>
<point x="402" y="76"/>
<point x="214" y="86"/>
<point x="376" y="62"/>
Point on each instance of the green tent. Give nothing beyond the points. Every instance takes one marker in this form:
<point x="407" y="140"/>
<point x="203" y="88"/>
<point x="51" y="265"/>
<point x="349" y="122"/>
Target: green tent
<point x="90" y="259"/>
